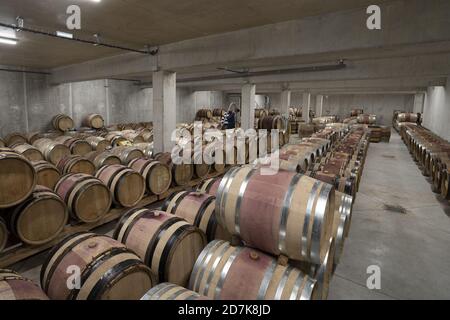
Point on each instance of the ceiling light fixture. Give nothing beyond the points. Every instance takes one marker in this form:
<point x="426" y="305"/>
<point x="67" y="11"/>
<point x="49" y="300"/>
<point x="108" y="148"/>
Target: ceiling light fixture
<point x="8" y="41"/>
<point x="64" y="34"/>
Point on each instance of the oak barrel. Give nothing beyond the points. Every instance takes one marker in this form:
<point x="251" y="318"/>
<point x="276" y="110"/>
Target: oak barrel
<point x="101" y="158"/>
<point x="109" y="271"/>
<point x="18" y="178"/>
<point x="52" y="151"/>
<point x="47" y="174"/>
<point x="62" y="122"/>
<point x="209" y="186"/>
<point x="169" y="291"/>
<point x="281" y="213"/>
<point x="126" y="154"/>
<point x="76" y="164"/>
<point x="13" y="286"/>
<point x="87" y="198"/>
<point x="157" y="175"/>
<point x="146" y="148"/>
<point x="30" y="152"/>
<point x="40" y="218"/>
<point x="224" y="272"/>
<point x="181" y="173"/>
<point x="98" y="143"/>
<point x="15" y="138"/>
<point x="126" y="185"/>
<point x="77" y="146"/>
<point x="167" y="244"/>
<point x="94" y="120"/>
<point x="199" y="210"/>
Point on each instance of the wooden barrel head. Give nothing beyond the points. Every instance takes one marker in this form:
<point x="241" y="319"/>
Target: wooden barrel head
<point x="58" y="152"/>
<point x="81" y="147"/>
<point x="130" y="189"/>
<point x="159" y="179"/>
<point x="182" y="174"/>
<point x="47" y="174"/>
<point x="41" y="218"/>
<point x="93" y="203"/>
<point x="18" y="179"/>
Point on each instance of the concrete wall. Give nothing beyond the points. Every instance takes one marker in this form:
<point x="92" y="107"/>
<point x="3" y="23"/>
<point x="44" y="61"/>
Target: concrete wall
<point x="436" y="112"/>
<point x="28" y="102"/>
<point x="381" y="105"/>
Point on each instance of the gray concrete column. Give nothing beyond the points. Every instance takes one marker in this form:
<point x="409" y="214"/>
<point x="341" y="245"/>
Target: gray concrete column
<point x="306" y="106"/>
<point x="419" y="101"/>
<point x="248" y="105"/>
<point x="285" y="102"/>
<point x="319" y="105"/>
<point x="164" y="110"/>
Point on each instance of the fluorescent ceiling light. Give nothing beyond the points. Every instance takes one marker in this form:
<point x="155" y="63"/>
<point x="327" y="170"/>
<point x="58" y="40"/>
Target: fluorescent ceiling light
<point x="8" y="41"/>
<point x="64" y="34"/>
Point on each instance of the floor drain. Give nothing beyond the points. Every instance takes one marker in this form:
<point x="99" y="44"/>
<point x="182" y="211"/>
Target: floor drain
<point x="388" y="156"/>
<point x="395" y="208"/>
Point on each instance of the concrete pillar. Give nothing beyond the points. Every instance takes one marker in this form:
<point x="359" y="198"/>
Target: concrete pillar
<point x="285" y="102"/>
<point x="248" y="104"/>
<point x="164" y="110"/>
<point x="306" y="106"/>
<point x="419" y="101"/>
<point x="319" y="105"/>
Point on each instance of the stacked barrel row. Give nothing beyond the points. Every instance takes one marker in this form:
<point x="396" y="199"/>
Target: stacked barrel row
<point x="37" y="199"/>
<point x="432" y="155"/>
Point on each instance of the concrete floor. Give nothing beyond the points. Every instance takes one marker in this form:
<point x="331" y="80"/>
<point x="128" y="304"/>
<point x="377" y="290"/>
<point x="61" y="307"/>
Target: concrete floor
<point x="412" y="249"/>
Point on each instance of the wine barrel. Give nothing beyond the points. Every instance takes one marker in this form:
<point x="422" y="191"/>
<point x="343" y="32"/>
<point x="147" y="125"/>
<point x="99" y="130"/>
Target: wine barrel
<point x="30" y="152"/>
<point x="146" y="148"/>
<point x="126" y="154"/>
<point x="47" y="174"/>
<point x="77" y="146"/>
<point x="117" y="140"/>
<point x="201" y="168"/>
<point x="224" y="272"/>
<point x="109" y="271"/>
<point x="199" y="210"/>
<point x="282" y="213"/>
<point x="94" y="120"/>
<point x="181" y="173"/>
<point x="323" y="272"/>
<point x="98" y="143"/>
<point x="87" y="198"/>
<point x="102" y="158"/>
<point x="204" y="114"/>
<point x="18" y="178"/>
<point x="126" y="185"/>
<point x="62" y="122"/>
<point x="134" y="137"/>
<point x="218" y="112"/>
<point x="52" y="151"/>
<point x="259" y="113"/>
<point x="271" y="122"/>
<point x="15" y="287"/>
<point x="40" y="218"/>
<point x="367" y="119"/>
<point x="157" y="175"/>
<point x="356" y="112"/>
<point x="341" y="222"/>
<point x="76" y="164"/>
<point x="407" y="117"/>
<point x="209" y="186"/>
<point x="169" y="291"/>
<point x="15" y="138"/>
<point x="167" y="244"/>
<point x="219" y="163"/>
<point x="3" y="234"/>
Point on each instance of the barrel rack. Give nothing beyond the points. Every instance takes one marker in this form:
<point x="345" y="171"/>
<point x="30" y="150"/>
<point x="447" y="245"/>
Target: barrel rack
<point x="21" y="251"/>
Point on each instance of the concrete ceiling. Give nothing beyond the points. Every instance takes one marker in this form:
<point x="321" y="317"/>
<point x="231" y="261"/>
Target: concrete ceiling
<point x="135" y="23"/>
